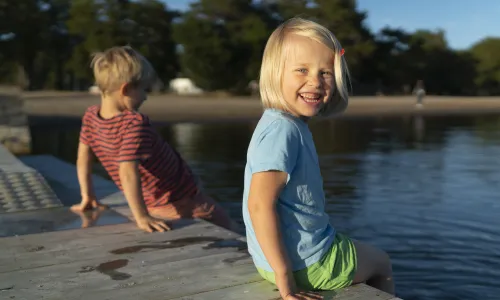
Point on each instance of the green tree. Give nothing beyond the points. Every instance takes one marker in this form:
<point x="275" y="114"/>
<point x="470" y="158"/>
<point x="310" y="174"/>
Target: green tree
<point x="347" y="23"/>
<point x="151" y="34"/>
<point x="343" y="19"/>
<point x="488" y="65"/>
<point x="443" y="70"/>
<point x="58" y="48"/>
<point x="24" y="32"/>
<point x="402" y="58"/>
<point x="96" y="26"/>
<point x="145" y="25"/>
<point x="222" y="43"/>
<point x="388" y="65"/>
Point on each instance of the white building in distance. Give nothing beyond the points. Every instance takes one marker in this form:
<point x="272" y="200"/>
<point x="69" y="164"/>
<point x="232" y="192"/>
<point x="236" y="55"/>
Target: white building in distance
<point x="184" y="86"/>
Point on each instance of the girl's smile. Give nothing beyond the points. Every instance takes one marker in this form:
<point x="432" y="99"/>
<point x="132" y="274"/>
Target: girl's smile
<point x="308" y="75"/>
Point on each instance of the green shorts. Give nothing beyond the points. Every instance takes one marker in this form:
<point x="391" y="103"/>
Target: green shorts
<point x="333" y="271"/>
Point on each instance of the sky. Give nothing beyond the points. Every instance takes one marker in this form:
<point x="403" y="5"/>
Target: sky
<point x="464" y="21"/>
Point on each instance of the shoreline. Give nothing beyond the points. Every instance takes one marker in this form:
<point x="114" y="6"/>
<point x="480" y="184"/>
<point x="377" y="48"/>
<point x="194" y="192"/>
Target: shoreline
<point x="64" y="108"/>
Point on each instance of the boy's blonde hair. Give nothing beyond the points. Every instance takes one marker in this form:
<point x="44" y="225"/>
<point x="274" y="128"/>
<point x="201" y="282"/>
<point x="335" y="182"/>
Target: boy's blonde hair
<point x="118" y="65"/>
<point x="273" y="63"/>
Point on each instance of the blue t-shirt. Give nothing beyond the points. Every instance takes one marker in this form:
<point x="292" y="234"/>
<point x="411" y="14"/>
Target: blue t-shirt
<point x="283" y="142"/>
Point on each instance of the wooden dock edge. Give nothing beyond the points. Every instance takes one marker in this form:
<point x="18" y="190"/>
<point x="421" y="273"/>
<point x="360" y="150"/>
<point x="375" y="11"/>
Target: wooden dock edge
<point x="63" y="173"/>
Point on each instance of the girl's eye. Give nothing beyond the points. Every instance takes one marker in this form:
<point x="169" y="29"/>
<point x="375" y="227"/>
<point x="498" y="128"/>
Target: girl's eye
<point x="327" y="73"/>
<point x="302" y="70"/>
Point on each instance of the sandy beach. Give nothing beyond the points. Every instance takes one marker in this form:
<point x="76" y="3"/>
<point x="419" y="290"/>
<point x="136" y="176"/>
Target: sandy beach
<point x="68" y="106"/>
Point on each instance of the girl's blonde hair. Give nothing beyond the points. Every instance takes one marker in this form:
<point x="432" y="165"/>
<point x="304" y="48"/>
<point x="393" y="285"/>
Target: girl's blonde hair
<point x="118" y="65"/>
<point x="273" y="63"/>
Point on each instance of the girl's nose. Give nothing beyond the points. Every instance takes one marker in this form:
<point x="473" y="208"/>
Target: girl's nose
<point x="315" y="80"/>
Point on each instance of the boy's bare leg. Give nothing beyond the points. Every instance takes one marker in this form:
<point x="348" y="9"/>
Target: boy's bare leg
<point x="374" y="267"/>
<point x="217" y="216"/>
<point x="200" y="206"/>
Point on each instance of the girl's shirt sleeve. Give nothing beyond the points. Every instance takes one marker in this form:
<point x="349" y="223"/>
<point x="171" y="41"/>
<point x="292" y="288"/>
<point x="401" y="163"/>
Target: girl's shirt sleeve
<point x="276" y="148"/>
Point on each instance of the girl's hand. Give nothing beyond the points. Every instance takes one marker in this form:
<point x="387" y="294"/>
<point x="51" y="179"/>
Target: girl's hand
<point x="288" y="289"/>
<point x="303" y="296"/>
<point x="286" y="284"/>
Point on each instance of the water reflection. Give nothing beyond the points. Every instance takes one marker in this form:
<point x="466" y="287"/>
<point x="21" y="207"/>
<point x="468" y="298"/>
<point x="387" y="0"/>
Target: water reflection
<point x="419" y="128"/>
<point x="55" y="219"/>
<point x="209" y="141"/>
<point x="423" y="188"/>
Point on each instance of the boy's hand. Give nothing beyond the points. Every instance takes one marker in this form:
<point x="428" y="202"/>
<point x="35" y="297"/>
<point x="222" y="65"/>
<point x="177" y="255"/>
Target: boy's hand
<point x="150" y="224"/>
<point x="88" y="204"/>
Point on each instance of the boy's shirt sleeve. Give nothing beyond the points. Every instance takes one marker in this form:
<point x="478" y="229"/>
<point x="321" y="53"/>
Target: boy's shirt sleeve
<point x="137" y="140"/>
<point x="85" y="130"/>
<point x="277" y="148"/>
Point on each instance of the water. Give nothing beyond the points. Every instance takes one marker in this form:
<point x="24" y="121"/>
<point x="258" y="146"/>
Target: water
<point x="423" y="189"/>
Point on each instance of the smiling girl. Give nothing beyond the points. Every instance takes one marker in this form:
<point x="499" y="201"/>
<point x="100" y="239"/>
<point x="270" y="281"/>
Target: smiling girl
<point x="290" y="238"/>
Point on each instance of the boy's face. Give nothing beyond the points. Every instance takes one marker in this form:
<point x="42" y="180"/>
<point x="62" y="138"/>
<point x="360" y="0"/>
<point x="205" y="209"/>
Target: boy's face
<point x="308" y="76"/>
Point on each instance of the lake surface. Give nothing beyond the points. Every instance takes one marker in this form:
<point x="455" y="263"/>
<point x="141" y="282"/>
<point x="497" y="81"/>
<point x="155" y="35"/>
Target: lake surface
<point x="426" y="190"/>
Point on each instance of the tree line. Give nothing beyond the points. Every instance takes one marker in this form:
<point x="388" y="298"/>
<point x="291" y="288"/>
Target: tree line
<point x="46" y="44"/>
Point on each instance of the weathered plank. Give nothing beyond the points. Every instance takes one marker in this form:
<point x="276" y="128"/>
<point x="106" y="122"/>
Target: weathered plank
<point x="174" y="245"/>
<point x="143" y="275"/>
<point x="264" y="290"/>
<point x="154" y="277"/>
<point x="54" y="219"/>
<point x="191" y="277"/>
<point x="261" y="290"/>
<point x="145" y="268"/>
<point x="196" y="260"/>
<point x="69" y="239"/>
<point x="72" y="241"/>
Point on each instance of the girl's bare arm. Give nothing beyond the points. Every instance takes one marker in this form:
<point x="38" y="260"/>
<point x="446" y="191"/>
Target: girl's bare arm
<point x="265" y="188"/>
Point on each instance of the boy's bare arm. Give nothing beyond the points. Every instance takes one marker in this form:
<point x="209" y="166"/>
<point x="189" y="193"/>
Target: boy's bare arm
<point x="84" y="162"/>
<point x="131" y="183"/>
<point x="265" y="188"/>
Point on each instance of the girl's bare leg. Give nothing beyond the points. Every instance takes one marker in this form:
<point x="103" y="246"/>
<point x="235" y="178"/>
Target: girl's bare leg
<point x="374" y="267"/>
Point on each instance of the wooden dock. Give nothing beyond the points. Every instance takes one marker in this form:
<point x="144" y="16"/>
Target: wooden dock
<point x="196" y="260"/>
<point x="115" y="260"/>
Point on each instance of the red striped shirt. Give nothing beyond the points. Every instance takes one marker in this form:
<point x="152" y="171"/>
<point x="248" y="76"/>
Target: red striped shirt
<point x="165" y="176"/>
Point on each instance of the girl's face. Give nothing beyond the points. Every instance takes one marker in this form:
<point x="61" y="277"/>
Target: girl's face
<point x="308" y="76"/>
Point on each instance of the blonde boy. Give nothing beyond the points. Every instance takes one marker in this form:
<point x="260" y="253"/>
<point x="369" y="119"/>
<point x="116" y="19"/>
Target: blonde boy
<point x="153" y="176"/>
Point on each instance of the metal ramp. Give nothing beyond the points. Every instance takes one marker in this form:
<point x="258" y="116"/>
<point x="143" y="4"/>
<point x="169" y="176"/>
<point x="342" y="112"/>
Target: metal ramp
<point x="23" y="188"/>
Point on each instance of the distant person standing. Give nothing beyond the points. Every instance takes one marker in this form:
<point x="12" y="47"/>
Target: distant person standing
<point x="253" y="86"/>
<point x="419" y="90"/>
